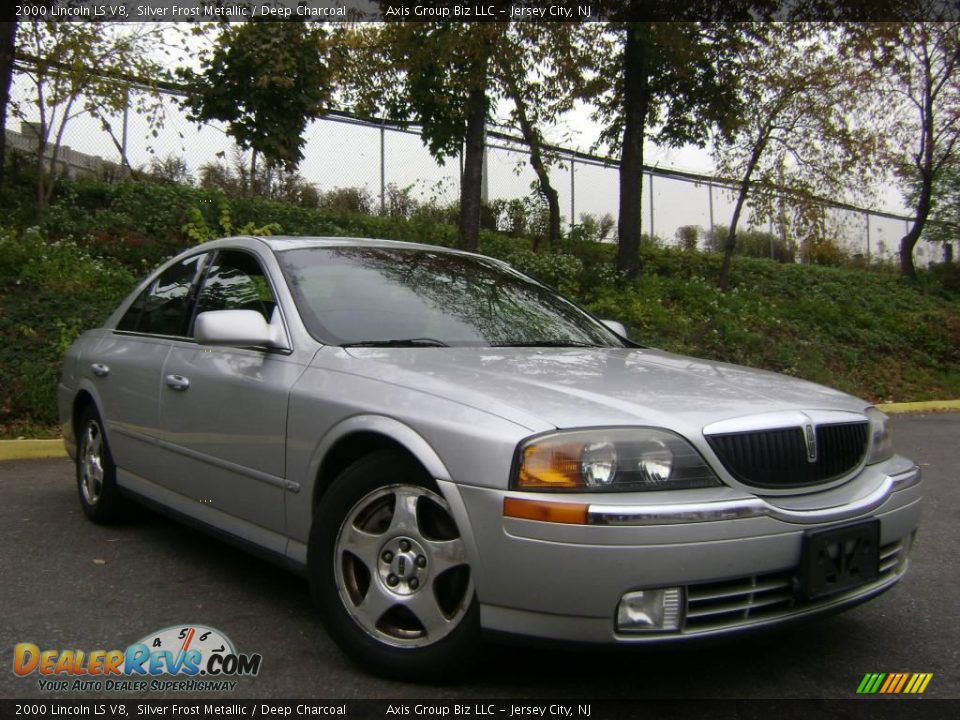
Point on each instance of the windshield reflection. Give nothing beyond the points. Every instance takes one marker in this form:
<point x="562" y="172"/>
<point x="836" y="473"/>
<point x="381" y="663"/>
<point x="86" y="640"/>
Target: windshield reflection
<point x="422" y="298"/>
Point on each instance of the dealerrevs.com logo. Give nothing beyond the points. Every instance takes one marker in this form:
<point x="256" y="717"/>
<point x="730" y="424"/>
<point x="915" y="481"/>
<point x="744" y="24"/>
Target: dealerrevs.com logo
<point x="187" y="658"/>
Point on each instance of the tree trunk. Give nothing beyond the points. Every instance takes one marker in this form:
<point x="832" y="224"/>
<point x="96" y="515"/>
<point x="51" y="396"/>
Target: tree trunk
<point x="471" y="183"/>
<point x="532" y="137"/>
<point x="8" y="37"/>
<point x="42" y="133"/>
<point x="909" y="241"/>
<point x="635" y="100"/>
<point x="730" y="243"/>
<point x="925" y="166"/>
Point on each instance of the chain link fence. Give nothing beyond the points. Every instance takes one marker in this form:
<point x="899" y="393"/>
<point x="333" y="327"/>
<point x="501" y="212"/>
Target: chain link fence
<point x="344" y="152"/>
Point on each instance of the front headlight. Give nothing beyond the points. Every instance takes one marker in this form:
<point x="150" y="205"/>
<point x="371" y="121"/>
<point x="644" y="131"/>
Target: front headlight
<point x="623" y="459"/>
<point x="881" y="442"/>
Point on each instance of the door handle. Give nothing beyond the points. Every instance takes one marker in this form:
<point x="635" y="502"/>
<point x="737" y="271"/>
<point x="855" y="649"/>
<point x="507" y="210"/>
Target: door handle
<point x="177" y="382"/>
<point x="99" y="369"/>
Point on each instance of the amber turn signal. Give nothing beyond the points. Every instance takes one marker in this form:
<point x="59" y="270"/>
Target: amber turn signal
<point x="555" y="512"/>
<point x="550" y="465"/>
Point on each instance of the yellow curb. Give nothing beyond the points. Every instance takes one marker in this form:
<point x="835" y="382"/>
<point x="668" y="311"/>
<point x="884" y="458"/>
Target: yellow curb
<point x="924" y="406"/>
<point x="31" y="449"/>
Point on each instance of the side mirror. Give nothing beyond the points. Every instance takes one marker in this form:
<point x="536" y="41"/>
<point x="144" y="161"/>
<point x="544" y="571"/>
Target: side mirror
<point x="616" y="326"/>
<point x="243" y="328"/>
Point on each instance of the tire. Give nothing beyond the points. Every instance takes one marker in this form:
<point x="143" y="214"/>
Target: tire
<point x="96" y="474"/>
<point x="389" y="574"/>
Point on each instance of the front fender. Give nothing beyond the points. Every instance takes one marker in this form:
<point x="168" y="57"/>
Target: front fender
<point x="300" y="510"/>
<point x="388" y="427"/>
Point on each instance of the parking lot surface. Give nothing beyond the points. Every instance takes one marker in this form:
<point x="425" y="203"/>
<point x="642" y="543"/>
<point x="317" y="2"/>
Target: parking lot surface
<point x="66" y="583"/>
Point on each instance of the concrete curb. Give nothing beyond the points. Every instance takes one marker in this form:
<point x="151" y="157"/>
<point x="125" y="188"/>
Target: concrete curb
<point x="923" y="406"/>
<point x="36" y="449"/>
<point x="31" y="449"/>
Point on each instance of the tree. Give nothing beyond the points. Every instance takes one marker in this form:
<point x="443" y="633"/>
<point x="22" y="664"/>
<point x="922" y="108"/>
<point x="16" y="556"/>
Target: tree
<point x="437" y="75"/>
<point x="82" y="68"/>
<point x="917" y="66"/>
<point x="449" y="77"/>
<point x="797" y="96"/>
<point x="943" y="225"/>
<point x="673" y="82"/>
<point x="8" y="49"/>
<point x="540" y="67"/>
<point x="440" y="75"/>
<point x="266" y="80"/>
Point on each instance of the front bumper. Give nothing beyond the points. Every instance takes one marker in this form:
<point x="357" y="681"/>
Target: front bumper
<point x="736" y="559"/>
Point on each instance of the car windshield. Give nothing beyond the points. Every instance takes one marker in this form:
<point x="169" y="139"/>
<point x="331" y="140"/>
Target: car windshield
<point x="406" y="297"/>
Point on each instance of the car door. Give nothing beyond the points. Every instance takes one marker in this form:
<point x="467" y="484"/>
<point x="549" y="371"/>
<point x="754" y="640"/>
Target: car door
<point x="126" y="366"/>
<point x="223" y="410"/>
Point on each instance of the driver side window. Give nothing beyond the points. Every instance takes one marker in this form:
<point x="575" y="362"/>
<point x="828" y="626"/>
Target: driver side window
<point x="235" y="281"/>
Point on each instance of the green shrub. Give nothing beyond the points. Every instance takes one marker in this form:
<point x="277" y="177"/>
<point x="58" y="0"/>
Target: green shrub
<point x="753" y="243"/>
<point x="50" y="292"/>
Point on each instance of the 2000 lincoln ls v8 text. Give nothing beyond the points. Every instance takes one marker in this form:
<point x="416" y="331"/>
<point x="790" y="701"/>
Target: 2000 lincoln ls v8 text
<point x="444" y="446"/>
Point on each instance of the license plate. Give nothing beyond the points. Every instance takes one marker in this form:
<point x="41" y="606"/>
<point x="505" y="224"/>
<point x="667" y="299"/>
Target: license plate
<point x="840" y="558"/>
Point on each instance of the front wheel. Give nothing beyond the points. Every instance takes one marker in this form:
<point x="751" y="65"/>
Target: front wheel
<point x="389" y="572"/>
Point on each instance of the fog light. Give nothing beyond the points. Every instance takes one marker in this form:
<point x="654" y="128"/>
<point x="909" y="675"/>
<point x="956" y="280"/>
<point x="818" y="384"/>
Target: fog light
<point x="655" y="610"/>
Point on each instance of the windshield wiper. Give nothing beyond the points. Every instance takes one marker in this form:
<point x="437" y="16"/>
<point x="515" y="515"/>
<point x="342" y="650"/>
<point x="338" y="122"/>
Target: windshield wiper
<point x="546" y="343"/>
<point x="406" y="342"/>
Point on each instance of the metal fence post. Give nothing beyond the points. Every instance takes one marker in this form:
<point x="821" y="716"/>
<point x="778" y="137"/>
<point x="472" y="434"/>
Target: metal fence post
<point x="710" y="197"/>
<point x="651" y="206"/>
<point x="383" y="171"/>
<point x="573" y="193"/>
<point x="866" y="217"/>
<point x="484" y="179"/>
<point x="124" y="163"/>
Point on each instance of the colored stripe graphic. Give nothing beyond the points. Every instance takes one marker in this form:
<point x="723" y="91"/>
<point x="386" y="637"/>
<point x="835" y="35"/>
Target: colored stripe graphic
<point x="870" y="683"/>
<point x="894" y="683"/>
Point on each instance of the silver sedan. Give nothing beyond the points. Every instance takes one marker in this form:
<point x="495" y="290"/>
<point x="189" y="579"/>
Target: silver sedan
<point x="444" y="446"/>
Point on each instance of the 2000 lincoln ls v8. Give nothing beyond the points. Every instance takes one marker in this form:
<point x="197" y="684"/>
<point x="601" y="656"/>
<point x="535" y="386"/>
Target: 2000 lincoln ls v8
<point x="444" y="445"/>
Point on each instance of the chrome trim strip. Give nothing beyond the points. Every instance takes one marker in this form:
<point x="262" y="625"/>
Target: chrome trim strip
<point x="746" y="508"/>
<point x="283" y="483"/>
<point x="783" y="419"/>
<point x="908" y="478"/>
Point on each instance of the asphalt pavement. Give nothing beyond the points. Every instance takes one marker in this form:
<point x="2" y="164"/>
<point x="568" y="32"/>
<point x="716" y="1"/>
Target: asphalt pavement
<point x="66" y="583"/>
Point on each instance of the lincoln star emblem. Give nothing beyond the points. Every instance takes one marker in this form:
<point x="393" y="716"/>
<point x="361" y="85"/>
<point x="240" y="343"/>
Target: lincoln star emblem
<point x="810" y="436"/>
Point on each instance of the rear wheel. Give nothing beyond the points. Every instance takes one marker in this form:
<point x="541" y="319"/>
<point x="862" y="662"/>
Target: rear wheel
<point x="96" y="473"/>
<point x="389" y="571"/>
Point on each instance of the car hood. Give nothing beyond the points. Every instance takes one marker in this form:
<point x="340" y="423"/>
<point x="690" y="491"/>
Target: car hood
<point x="545" y="388"/>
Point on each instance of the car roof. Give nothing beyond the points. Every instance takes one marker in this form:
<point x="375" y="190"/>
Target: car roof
<point x="280" y="243"/>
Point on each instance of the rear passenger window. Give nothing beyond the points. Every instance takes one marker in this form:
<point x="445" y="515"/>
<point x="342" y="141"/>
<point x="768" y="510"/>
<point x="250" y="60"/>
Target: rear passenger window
<point x="164" y="307"/>
<point x="236" y="281"/>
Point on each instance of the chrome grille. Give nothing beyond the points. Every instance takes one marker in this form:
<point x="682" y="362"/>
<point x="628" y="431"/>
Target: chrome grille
<point x="728" y="603"/>
<point x="779" y="458"/>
